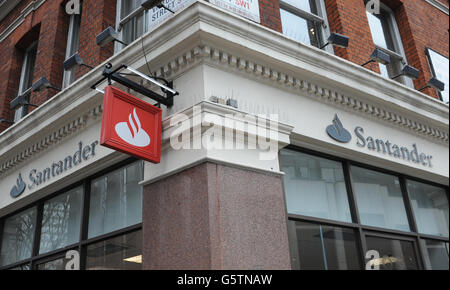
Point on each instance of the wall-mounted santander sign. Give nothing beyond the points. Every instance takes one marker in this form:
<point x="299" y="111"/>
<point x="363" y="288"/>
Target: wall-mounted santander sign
<point x="131" y="126"/>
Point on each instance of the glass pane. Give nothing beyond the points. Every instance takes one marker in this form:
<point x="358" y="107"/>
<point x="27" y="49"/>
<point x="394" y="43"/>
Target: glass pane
<point x="437" y="255"/>
<point x="314" y="186"/>
<point x="61" y="221"/>
<point x="393" y="254"/>
<point x="116" y="200"/>
<point x="379" y="198"/>
<point x="21" y="268"/>
<point x="318" y="247"/>
<point x="441" y="72"/>
<point x="58" y="264"/>
<point x="120" y="253"/>
<point x="18" y="237"/>
<point x="299" y="29"/>
<point x="430" y="205"/>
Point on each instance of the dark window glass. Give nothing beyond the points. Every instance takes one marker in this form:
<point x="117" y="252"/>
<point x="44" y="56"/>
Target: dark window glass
<point x="119" y="253"/>
<point x="320" y="247"/>
<point x="57" y="264"/>
<point x="21" y="267"/>
<point x="61" y="221"/>
<point x="430" y="205"/>
<point x="18" y="237"/>
<point x="436" y="257"/>
<point x="380" y="199"/>
<point x="314" y="186"/>
<point x="393" y="254"/>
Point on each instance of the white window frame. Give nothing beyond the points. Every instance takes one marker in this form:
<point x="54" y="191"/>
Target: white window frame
<point x="398" y="57"/>
<point x="121" y="22"/>
<point x="68" y="74"/>
<point x="22" y="110"/>
<point x="321" y="19"/>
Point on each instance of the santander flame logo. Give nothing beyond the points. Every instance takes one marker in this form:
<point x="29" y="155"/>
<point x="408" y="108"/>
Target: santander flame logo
<point x="132" y="132"/>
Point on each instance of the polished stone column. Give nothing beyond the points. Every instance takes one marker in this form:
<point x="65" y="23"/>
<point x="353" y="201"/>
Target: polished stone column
<point x="215" y="216"/>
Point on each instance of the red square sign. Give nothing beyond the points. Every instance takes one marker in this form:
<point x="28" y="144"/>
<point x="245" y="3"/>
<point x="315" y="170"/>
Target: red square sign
<point x="131" y="126"/>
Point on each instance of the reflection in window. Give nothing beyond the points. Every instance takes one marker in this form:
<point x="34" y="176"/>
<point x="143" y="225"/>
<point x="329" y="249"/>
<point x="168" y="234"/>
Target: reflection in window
<point x="116" y="200"/>
<point x="439" y="65"/>
<point x="61" y="221"/>
<point x="120" y="253"/>
<point x="436" y="257"/>
<point x="319" y="247"/>
<point x="297" y="25"/>
<point x="57" y="264"/>
<point x="394" y="254"/>
<point x="430" y="205"/>
<point x="314" y="186"/>
<point x="379" y="198"/>
<point x="18" y="237"/>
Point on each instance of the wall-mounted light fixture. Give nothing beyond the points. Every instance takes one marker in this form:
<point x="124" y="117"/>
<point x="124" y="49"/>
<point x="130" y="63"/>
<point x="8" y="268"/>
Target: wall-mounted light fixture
<point x="108" y="35"/>
<point x="43" y="83"/>
<point x="338" y="40"/>
<point x="435" y="84"/>
<point x="408" y="71"/>
<point x="6" y="121"/>
<point x="75" y="60"/>
<point x="380" y="57"/>
<point x="20" y="101"/>
<point x="149" y="4"/>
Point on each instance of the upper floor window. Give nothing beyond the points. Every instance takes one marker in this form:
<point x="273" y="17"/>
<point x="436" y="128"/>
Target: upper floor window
<point x="439" y="68"/>
<point x="303" y="21"/>
<point x="73" y="38"/>
<point x="26" y="80"/>
<point x="386" y="37"/>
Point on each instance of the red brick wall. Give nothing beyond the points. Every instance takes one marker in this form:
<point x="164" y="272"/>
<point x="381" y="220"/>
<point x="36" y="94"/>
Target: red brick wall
<point x="50" y="27"/>
<point x="420" y="25"/>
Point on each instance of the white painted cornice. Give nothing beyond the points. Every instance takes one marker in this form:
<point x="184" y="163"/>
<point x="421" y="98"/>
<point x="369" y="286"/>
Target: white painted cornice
<point x="205" y="34"/>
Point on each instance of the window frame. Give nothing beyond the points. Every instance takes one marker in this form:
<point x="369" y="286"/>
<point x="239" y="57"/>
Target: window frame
<point x="26" y="92"/>
<point x="69" y="76"/>
<point x="398" y="57"/>
<point x="320" y="20"/>
<point x="84" y="241"/>
<point x="433" y="71"/>
<point x="363" y="230"/>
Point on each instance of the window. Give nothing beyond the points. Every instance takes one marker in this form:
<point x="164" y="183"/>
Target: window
<point x="26" y="80"/>
<point x="439" y="67"/>
<point x="303" y="21"/>
<point x="72" y="47"/>
<point x="394" y="254"/>
<point x="61" y="221"/>
<point x="119" y="253"/>
<point x="315" y="186"/>
<point x="436" y="257"/>
<point x="379" y="198"/>
<point x="343" y="215"/>
<point x="321" y="247"/>
<point x="133" y="20"/>
<point x="430" y="206"/>
<point x="386" y="37"/>
<point x="116" y="200"/>
<point x="18" y="237"/>
<point x="98" y="220"/>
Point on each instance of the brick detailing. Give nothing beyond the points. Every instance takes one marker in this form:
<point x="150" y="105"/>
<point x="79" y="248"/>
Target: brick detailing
<point x="270" y="14"/>
<point x="95" y="17"/>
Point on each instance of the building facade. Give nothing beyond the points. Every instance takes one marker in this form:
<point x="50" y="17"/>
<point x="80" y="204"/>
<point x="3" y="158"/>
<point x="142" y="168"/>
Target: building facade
<point x="280" y="152"/>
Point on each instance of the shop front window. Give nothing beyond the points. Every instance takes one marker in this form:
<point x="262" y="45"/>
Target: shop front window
<point x="315" y="186"/>
<point x="379" y="198"/>
<point x="343" y="215"/>
<point x="96" y="224"/>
